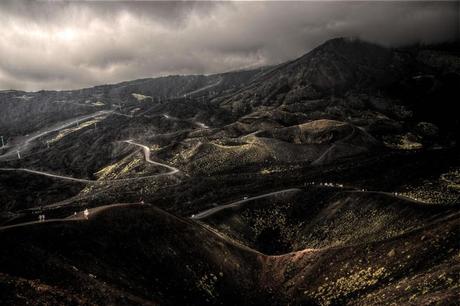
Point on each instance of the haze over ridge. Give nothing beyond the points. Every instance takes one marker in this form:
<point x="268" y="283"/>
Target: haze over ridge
<point x="57" y="45"/>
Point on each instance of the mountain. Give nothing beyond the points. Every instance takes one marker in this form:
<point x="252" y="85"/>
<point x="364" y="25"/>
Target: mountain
<point x="332" y="179"/>
<point x="27" y="111"/>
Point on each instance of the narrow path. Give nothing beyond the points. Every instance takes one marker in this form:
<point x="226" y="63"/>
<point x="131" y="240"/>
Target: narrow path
<point x="80" y="216"/>
<point x="323" y="156"/>
<point x="198" y="124"/>
<point x="403" y="197"/>
<point x="205" y="87"/>
<point x="396" y="195"/>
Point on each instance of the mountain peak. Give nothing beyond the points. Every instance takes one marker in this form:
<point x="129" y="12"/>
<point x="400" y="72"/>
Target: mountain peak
<point x="339" y="64"/>
<point x="353" y="48"/>
<point x="342" y="40"/>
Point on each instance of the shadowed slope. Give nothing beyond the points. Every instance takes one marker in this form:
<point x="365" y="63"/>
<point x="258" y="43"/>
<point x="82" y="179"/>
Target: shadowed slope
<point x="126" y="255"/>
<point x="321" y="218"/>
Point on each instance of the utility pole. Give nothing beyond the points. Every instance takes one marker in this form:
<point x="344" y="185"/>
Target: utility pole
<point x="19" y="154"/>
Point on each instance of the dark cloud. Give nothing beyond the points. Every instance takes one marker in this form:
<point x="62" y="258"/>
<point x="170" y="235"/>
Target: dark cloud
<point x="56" y="45"/>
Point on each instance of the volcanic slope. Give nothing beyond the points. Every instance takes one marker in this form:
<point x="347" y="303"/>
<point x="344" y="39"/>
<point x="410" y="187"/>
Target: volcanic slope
<point x="321" y="217"/>
<point x="174" y="261"/>
<point x="124" y="254"/>
<point x="328" y="180"/>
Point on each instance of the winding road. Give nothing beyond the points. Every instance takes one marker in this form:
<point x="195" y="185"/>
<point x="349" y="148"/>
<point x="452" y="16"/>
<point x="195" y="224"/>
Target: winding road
<point x="147" y="153"/>
<point x="25" y="143"/>
<point x="21" y="144"/>
<point x="62" y="177"/>
<point x="213" y="210"/>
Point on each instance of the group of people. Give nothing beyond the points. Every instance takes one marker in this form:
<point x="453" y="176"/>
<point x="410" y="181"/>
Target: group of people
<point x="42" y="217"/>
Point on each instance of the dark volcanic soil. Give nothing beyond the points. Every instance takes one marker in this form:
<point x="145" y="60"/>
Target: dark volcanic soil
<point x="333" y="179"/>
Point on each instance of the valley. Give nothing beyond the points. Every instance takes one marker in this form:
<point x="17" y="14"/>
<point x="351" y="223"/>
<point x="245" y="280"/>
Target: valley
<point x="331" y="179"/>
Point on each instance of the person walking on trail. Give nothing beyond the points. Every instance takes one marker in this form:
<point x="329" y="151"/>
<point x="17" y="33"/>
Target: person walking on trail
<point x="86" y="213"/>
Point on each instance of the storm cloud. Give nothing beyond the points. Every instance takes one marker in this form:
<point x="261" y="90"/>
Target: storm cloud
<point x="68" y="45"/>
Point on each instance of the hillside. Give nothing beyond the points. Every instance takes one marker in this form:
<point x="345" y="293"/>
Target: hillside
<point x="331" y="179"/>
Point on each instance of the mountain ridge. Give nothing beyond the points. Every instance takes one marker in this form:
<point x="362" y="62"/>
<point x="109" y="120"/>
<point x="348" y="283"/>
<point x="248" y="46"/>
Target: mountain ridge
<point x="333" y="179"/>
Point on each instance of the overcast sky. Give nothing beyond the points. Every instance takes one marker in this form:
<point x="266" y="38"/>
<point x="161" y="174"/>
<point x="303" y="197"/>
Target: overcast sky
<point x="68" y="45"/>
